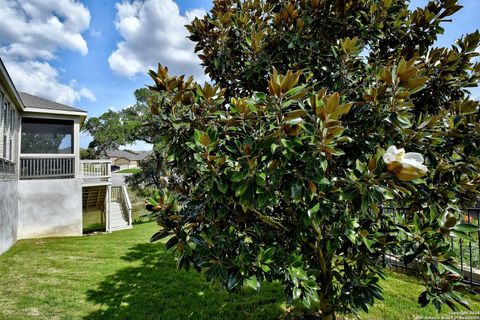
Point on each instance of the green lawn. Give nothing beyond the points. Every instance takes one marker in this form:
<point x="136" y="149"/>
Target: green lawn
<point x="132" y="170"/>
<point x="137" y="199"/>
<point x="122" y="276"/>
<point x="92" y="221"/>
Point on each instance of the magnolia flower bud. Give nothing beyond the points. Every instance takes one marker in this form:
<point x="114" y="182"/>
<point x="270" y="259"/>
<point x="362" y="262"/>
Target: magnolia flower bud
<point x="405" y="166"/>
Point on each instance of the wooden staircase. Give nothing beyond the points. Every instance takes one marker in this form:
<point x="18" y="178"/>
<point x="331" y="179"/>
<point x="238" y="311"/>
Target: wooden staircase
<point x="119" y="208"/>
<point x="94" y="197"/>
<point x="118" y="218"/>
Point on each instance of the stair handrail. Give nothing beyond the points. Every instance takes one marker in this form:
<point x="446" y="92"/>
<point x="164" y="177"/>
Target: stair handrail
<point x="108" y="222"/>
<point x="127" y="203"/>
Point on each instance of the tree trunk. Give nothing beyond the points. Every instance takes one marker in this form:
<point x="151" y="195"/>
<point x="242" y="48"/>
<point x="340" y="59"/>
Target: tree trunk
<point x="327" y="315"/>
<point x="326" y="308"/>
<point x="326" y="293"/>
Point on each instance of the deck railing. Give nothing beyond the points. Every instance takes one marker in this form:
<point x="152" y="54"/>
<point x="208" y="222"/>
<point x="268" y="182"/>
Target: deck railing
<point x="120" y="194"/>
<point x="54" y="166"/>
<point x="61" y="166"/>
<point x="127" y="205"/>
<point x="95" y="171"/>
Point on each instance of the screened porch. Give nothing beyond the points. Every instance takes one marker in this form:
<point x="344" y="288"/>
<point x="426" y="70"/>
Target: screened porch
<point x="49" y="149"/>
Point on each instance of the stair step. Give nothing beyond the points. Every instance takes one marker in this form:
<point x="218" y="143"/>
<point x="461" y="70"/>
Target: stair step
<point x="117" y="225"/>
<point x="115" y="218"/>
<point x="118" y="222"/>
<point x="121" y="228"/>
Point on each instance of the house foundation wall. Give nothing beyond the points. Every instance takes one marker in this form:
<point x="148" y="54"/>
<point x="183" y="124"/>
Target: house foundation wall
<point x="49" y="208"/>
<point x="8" y="214"/>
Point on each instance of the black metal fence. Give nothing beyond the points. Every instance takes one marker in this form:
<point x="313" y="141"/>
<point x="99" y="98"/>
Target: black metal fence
<point x="467" y="253"/>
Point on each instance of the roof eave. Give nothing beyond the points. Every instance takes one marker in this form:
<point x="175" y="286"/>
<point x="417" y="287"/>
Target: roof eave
<point x="9" y="86"/>
<point x="81" y="114"/>
<point x="51" y="111"/>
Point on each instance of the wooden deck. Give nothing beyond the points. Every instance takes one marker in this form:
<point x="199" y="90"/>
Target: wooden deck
<point x="60" y="166"/>
<point x="95" y="172"/>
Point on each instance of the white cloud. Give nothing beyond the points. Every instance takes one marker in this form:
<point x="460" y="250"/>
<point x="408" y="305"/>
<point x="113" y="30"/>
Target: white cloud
<point x="41" y="79"/>
<point x="36" y="29"/>
<point x="154" y="31"/>
<point x="86" y="93"/>
<point x="95" y="33"/>
<point x="138" y="146"/>
<point x="31" y="33"/>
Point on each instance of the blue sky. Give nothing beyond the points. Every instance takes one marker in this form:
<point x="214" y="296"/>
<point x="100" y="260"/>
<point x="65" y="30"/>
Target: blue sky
<point x="93" y="54"/>
<point x="111" y="90"/>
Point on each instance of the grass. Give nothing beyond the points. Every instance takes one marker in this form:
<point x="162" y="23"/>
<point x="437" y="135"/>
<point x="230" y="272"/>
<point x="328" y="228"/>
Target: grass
<point x="137" y="199"/>
<point x="464" y="254"/>
<point x="122" y="276"/>
<point x="470" y="253"/>
<point x="92" y="221"/>
<point x="131" y="170"/>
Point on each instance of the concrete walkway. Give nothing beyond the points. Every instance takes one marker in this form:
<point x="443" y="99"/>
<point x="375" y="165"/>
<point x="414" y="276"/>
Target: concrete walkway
<point x="118" y="179"/>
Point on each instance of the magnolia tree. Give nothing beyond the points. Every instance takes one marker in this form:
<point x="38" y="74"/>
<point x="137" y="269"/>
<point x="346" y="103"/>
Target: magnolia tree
<point x="320" y="113"/>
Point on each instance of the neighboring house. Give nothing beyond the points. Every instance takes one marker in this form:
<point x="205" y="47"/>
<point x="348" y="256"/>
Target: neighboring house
<point x="44" y="187"/>
<point x="125" y="159"/>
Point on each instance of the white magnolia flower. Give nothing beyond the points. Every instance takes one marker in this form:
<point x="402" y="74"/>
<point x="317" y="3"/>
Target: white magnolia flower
<point x="405" y="165"/>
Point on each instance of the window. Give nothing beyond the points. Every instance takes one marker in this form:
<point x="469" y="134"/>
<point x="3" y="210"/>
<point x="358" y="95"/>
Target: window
<point x="12" y="119"/>
<point x="4" y="146"/>
<point x="1" y="108"/>
<point x="47" y="136"/>
<point x="8" y="125"/>
<point x="2" y="128"/>
<point x="10" y="152"/>
<point x="5" y="114"/>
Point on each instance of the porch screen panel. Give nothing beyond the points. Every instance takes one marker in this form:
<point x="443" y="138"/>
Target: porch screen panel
<point x="47" y="136"/>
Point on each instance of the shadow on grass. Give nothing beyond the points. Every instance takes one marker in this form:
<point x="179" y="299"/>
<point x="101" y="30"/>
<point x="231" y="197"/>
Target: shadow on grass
<point x="142" y="221"/>
<point x="152" y="288"/>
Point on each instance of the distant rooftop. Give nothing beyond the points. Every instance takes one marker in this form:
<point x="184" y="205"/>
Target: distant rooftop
<point x="128" y="155"/>
<point x="31" y="101"/>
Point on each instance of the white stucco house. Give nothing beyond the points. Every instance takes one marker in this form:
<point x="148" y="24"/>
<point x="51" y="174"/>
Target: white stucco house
<point x="44" y="187"/>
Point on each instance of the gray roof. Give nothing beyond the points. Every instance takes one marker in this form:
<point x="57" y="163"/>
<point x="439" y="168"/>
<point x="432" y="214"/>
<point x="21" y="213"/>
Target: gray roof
<point x="128" y="155"/>
<point x="9" y="86"/>
<point x="31" y="101"/>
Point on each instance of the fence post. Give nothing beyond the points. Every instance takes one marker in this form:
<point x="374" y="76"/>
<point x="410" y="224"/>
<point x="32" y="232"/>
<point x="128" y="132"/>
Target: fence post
<point x="383" y="226"/>
<point x="470" y="251"/>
